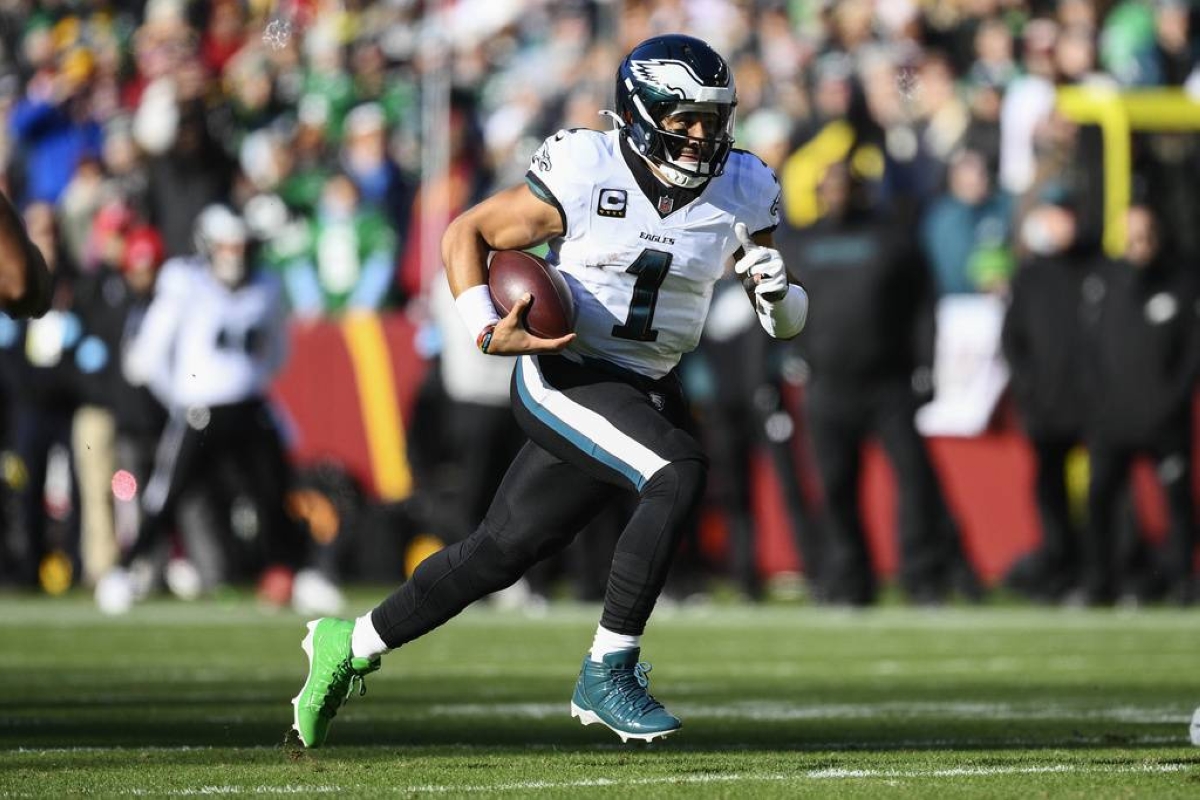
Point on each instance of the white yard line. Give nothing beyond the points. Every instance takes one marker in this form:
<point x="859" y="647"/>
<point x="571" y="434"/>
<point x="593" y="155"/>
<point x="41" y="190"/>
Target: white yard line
<point x="26" y="613"/>
<point x="831" y="774"/>
<point x="804" y="746"/>
<point x="775" y="711"/>
<point x="220" y="790"/>
<point x="822" y="774"/>
<point x="44" y="751"/>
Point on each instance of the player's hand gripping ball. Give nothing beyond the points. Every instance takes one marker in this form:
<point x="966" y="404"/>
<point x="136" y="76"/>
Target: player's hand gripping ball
<point x="513" y="273"/>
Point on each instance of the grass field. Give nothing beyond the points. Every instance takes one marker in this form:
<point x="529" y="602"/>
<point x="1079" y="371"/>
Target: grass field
<point x="779" y="701"/>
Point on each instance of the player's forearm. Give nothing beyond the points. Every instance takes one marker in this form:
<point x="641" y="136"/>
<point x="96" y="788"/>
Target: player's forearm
<point x="464" y="254"/>
<point x="14" y="273"/>
<point x="784" y="319"/>
<point x="512" y="219"/>
<point x="25" y="281"/>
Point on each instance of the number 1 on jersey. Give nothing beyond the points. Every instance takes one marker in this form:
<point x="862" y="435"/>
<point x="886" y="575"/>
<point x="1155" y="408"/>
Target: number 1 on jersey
<point x="651" y="270"/>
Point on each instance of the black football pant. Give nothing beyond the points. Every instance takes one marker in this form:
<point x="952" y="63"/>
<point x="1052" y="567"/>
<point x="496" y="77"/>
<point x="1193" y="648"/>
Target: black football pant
<point x="194" y="446"/>
<point x="733" y="434"/>
<point x="1110" y="467"/>
<point x="841" y="418"/>
<point x="33" y="432"/>
<point x="595" y="432"/>
<point x="1060" y="541"/>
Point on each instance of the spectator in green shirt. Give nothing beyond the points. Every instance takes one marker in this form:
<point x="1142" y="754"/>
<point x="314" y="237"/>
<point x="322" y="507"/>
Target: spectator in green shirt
<point x="342" y="259"/>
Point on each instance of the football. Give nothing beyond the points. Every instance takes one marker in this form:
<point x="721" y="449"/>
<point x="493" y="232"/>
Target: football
<point x="512" y="273"/>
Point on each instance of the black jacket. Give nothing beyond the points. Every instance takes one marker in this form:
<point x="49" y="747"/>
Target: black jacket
<point x="1144" y="354"/>
<point x="1044" y="344"/>
<point x="45" y="362"/>
<point x="112" y="312"/>
<point x="871" y="316"/>
<point x="184" y="180"/>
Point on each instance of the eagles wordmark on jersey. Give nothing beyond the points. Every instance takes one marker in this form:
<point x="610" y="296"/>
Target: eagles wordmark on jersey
<point x="642" y="270"/>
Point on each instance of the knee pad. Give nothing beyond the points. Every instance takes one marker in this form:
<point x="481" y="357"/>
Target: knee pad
<point x="687" y="468"/>
<point x="682" y="481"/>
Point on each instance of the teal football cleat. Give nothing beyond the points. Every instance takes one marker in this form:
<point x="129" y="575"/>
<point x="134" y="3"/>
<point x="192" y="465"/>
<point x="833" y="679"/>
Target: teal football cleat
<point x="333" y="672"/>
<point x="614" y="694"/>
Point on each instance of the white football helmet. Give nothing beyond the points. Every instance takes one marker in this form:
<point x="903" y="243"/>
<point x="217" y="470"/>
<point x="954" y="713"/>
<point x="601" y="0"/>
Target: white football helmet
<point x="220" y="237"/>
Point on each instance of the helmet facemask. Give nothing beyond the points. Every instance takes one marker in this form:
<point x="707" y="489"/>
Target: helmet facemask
<point x="683" y="160"/>
<point x="689" y="161"/>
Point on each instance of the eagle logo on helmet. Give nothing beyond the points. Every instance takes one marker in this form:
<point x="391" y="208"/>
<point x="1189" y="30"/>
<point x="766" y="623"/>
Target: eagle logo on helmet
<point x="679" y="79"/>
<point x="674" y="77"/>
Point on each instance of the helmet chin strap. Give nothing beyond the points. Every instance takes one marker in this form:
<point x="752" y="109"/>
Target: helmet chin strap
<point x="674" y="177"/>
<point x="679" y="178"/>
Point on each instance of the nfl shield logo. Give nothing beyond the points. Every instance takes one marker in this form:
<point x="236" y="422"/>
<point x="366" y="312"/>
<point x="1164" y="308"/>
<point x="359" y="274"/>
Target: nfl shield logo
<point x="665" y="204"/>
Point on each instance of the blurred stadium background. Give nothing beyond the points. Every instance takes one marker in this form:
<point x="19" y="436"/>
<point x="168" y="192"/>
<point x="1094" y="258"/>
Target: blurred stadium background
<point x="997" y="147"/>
<point x="998" y="134"/>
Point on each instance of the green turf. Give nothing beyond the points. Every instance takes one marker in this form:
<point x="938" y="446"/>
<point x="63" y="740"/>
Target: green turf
<point x="181" y="699"/>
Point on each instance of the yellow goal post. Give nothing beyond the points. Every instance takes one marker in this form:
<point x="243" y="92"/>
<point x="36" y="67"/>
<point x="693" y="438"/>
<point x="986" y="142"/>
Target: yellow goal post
<point x="1119" y="114"/>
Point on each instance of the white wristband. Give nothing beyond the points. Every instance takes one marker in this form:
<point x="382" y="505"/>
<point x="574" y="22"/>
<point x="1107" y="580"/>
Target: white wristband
<point x="477" y="310"/>
<point x="786" y="318"/>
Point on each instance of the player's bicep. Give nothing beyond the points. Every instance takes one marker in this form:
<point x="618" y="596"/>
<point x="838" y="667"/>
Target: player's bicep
<point x="515" y="219"/>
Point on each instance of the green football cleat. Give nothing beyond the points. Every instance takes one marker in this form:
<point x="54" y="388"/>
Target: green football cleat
<point x="614" y="694"/>
<point x="332" y="674"/>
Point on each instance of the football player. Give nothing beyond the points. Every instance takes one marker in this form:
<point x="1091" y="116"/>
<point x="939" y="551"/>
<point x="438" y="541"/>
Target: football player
<point x="641" y="221"/>
<point x="211" y="341"/>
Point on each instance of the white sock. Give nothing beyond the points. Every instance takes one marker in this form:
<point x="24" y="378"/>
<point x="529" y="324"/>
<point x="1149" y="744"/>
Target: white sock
<point x="366" y="642"/>
<point x="608" y="642"/>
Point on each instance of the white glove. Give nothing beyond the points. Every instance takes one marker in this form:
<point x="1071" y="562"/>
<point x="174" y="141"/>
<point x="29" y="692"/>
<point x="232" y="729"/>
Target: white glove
<point x="763" y="265"/>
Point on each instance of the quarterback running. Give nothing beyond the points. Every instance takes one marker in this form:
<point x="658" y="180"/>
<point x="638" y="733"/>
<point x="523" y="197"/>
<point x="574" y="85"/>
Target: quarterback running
<point x="641" y="222"/>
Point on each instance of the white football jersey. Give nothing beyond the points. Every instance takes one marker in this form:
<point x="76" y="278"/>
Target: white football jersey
<point x="204" y="344"/>
<point x="642" y="279"/>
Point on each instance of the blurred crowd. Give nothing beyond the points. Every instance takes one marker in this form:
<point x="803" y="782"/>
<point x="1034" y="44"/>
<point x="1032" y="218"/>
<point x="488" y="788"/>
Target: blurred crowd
<point x="302" y="154"/>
